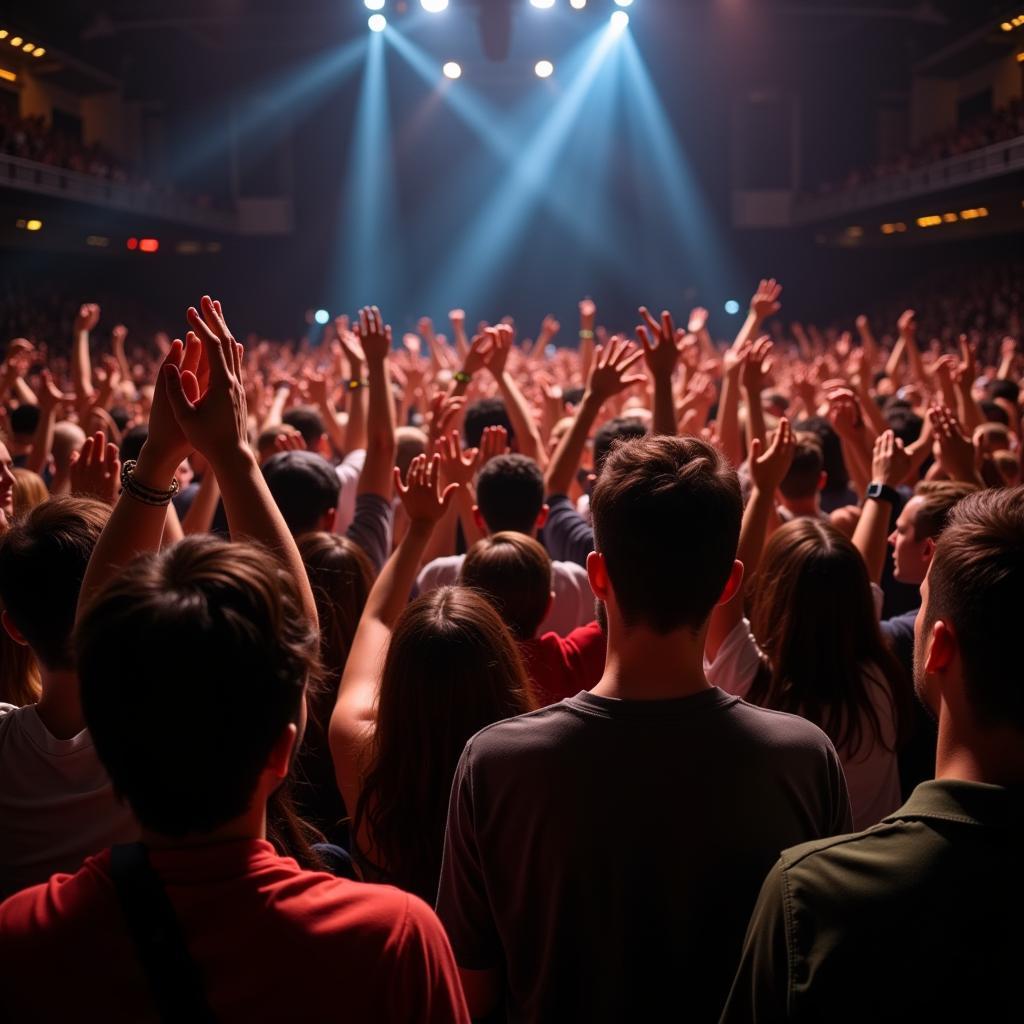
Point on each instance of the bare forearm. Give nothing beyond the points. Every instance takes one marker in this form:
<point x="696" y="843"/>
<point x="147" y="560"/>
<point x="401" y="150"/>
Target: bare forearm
<point x="377" y="474"/>
<point x="567" y="456"/>
<point x="869" y="538"/>
<point x="755" y="417"/>
<point x="664" y="406"/>
<point x="355" y="431"/>
<point x="523" y="423"/>
<point x="728" y="421"/>
<point x="81" y="366"/>
<point x="42" y="440"/>
<point x="199" y="517"/>
<point x="390" y="593"/>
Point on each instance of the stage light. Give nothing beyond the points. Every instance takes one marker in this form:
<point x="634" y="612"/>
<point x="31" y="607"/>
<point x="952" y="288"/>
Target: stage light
<point x="377" y="23"/>
<point x="544" y="69"/>
<point x="97" y="241"/>
<point x="374" y="5"/>
<point x="29" y="47"/>
<point x="8" y="76"/>
<point x="543" y="4"/>
<point x="4" y="33"/>
<point x="39" y="51"/>
<point x="452" y="70"/>
<point x="34" y="225"/>
<point x="732" y="307"/>
<point x="148" y="244"/>
<point x="434" y="6"/>
<point x="16" y="41"/>
<point x="132" y="243"/>
<point x="619" y="22"/>
<point x="624" y="3"/>
<point x="577" y="5"/>
<point x="321" y="316"/>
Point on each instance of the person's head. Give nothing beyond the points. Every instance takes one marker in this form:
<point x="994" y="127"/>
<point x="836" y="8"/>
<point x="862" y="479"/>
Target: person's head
<point x="612" y="433"/>
<point x="227" y="620"/>
<point x="306" y="489"/>
<point x="266" y="440"/>
<point x="510" y="495"/>
<point x="991" y="437"/>
<point x="341" y="576"/>
<point x="483" y="413"/>
<point x="994" y="412"/>
<point x="1004" y="389"/>
<point x="831" y="450"/>
<point x="42" y="563"/>
<point x="451" y="669"/>
<point x="409" y="442"/>
<point x="6" y="482"/>
<point x="306" y="419"/>
<point x="903" y="421"/>
<point x="814" y="618"/>
<point x="513" y="572"/>
<point x="806" y="476"/>
<point x="1007" y="465"/>
<point x="68" y="438"/>
<point x="972" y="602"/>
<point x="132" y="442"/>
<point x="29" y="490"/>
<point x="666" y="513"/>
<point x="24" y="420"/>
<point x="919" y="524"/>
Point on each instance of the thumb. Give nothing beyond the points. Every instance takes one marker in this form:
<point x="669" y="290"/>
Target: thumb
<point x="756" y="448"/>
<point x="449" y="493"/>
<point x="173" y="384"/>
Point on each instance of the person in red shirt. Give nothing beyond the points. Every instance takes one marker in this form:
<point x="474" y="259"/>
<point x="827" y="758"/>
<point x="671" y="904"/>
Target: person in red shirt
<point x="513" y="571"/>
<point x="193" y="662"/>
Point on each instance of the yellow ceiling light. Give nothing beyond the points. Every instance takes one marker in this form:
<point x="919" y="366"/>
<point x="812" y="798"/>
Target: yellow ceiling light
<point x="8" y="76"/>
<point x="16" y="41"/>
<point x="39" y="52"/>
<point x="33" y="224"/>
<point x="4" y="33"/>
<point x="29" y="47"/>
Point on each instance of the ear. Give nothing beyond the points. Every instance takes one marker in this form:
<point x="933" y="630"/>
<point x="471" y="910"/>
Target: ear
<point x="732" y="584"/>
<point x="279" y="761"/>
<point x="542" y="518"/>
<point x="12" y="630"/>
<point x="597" y="573"/>
<point x="822" y="480"/>
<point x="328" y="519"/>
<point x="323" y="447"/>
<point x="479" y="520"/>
<point x="942" y="649"/>
<point x="928" y="549"/>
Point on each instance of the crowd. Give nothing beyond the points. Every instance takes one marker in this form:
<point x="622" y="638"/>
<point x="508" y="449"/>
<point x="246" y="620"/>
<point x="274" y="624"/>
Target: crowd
<point x="999" y="125"/>
<point x="439" y="677"/>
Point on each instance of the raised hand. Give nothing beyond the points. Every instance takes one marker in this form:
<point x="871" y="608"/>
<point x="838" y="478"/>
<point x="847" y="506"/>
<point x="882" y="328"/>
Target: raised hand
<point x="765" y="300"/>
<point x="769" y="468"/>
<point x="588" y="313"/>
<point x="214" y="422"/>
<point x="443" y="409"/>
<point x="890" y="463"/>
<point x="609" y="374"/>
<point x="493" y="442"/>
<point x="957" y="455"/>
<point x="291" y="441"/>
<point x="96" y="469"/>
<point x="476" y="357"/>
<point x="658" y="341"/>
<point x="374" y="334"/>
<point x="421" y="494"/>
<point x="50" y="396"/>
<point x="907" y="324"/>
<point x="88" y="316"/>
<point x="501" y="338"/>
<point x="457" y="466"/>
<point x="757" y="366"/>
<point x="698" y="320"/>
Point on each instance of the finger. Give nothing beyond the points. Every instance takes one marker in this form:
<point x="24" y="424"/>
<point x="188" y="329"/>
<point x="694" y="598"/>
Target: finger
<point x="174" y="354"/>
<point x="667" y="327"/>
<point x="644" y="337"/>
<point x="113" y="459"/>
<point x="650" y="321"/>
<point x="399" y="486"/>
<point x="85" y="452"/>
<point x="628" y="359"/>
<point x="449" y="493"/>
<point x="756" y="447"/>
<point x="99" y="449"/>
<point x="180" y="405"/>
<point x="212" y="347"/>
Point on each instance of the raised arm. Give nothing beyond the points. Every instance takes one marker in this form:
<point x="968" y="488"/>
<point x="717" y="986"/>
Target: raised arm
<point x="81" y="367"/>
<point x="763" y="304"/>
<point x="353" y="716"/>
<point x="588" y="320"/>
<point x="767" y="471"/>
<point x="889" y="467"/>
<point x="727" y="419"/>
<point x="754" y="376"/>
<point x="375" y="339"/>
<point x="355" y="430"/>
<point x="523" y="424"/>
<point x="661" y="353"/>
<point x="868" y="343"/>
<point x="50" y="398"/>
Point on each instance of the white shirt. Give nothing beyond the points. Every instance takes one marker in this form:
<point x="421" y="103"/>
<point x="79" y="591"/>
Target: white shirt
<point x="573" y="604"/>
<point x="872" y="776"/>
<point x="349" y="471"/>
<point x="57" y="805"/>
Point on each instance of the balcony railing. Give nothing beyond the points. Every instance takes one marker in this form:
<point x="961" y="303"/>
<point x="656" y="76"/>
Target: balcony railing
<point x="965" y="169"/>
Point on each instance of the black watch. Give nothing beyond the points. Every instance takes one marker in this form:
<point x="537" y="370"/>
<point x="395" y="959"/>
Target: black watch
<point x="883" y="492"/>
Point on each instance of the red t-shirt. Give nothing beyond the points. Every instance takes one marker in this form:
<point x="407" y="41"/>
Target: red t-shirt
<point x="561" y="666"/>
<point x="271" y="941"/>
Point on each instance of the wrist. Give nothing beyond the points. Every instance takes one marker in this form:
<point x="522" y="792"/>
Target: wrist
<point x="234" y="459"/>
<point x="154" y="469"/>
<point x="881" y="490"/>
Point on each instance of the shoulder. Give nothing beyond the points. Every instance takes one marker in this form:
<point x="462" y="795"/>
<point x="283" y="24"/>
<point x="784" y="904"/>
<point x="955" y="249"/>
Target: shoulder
<point x="501" y="740"/>
<point x="781" y="730"/>
<point x="570" y="572"/>
<point x="817" y="859"/>
<point x="439" y="571"/>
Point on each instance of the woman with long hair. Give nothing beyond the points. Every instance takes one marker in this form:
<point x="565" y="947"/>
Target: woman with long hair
<point x="341" y="576"/>
<point x="812" y="645"/>
<point x="419" y="681"/>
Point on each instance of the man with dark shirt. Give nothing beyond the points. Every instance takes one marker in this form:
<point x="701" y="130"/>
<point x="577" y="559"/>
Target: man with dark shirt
<point x="919" y="917"/>
<point x="602" y="854"/>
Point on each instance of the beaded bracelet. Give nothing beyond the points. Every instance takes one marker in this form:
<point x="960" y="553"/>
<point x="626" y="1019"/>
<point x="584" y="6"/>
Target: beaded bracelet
<point x="585" y="334"/>
<point x="462" y="377"/>
<point x="142" y="493"/>
<point x="355" y="384"/>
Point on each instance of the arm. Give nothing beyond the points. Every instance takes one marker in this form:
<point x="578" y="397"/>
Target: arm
<point x="661" y="359"/>
<point x="81" y="367"/>
<point x="969" y="412"/>
<point x="767" y="471"/>
<point x="353" y="714"/>
<point x="763" y="304"/>
<point x="728" y="417"/>
<point x="588" y="318"/>
<point x="868" y="343"/>
<point x="319" y="386"/>
<point x="754" y="375"/>
<point x="117" y="336"/>
<point x="457" y="318"/>
<point x="199" y="517"/>
<point x="889" y="467"/>
<point x="908" y="335"/>
<point x="957" y="455"/>
<point x="42" y="440"/>
<point x="375" y="338"/>
<point x="523" y="424"/>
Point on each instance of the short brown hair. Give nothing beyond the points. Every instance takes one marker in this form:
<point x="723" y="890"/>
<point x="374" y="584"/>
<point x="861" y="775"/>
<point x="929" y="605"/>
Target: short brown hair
<point x="804" y="475"/>
<point x="976" y="585"/>
<point x="43" y="558"/>
<point x="513" y="572"/>
<point x="29" y="490"/>
<point x="666" y="514"/>
<point x="938" y="497"/>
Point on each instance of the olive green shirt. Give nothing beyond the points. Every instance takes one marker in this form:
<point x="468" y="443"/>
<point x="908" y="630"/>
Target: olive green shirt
<point x="920" y="917"/>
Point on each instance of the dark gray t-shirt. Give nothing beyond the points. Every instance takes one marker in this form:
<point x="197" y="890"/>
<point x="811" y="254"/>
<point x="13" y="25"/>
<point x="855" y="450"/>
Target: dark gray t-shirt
<point x="606" y="854"/>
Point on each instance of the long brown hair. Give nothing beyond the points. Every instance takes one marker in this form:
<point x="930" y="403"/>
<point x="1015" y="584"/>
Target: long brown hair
<point x="451" y="668"/>
<point x="814" y="618"/>
<point x="341" y="576"/>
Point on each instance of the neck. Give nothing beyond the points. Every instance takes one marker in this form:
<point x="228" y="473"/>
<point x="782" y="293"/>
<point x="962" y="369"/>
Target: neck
<point x="59" y="707"/>
<point x="803" y="506"/>
<point x="250" y="825"/>
<point x="971" y="754"/>
<point x="644" y="665"/>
